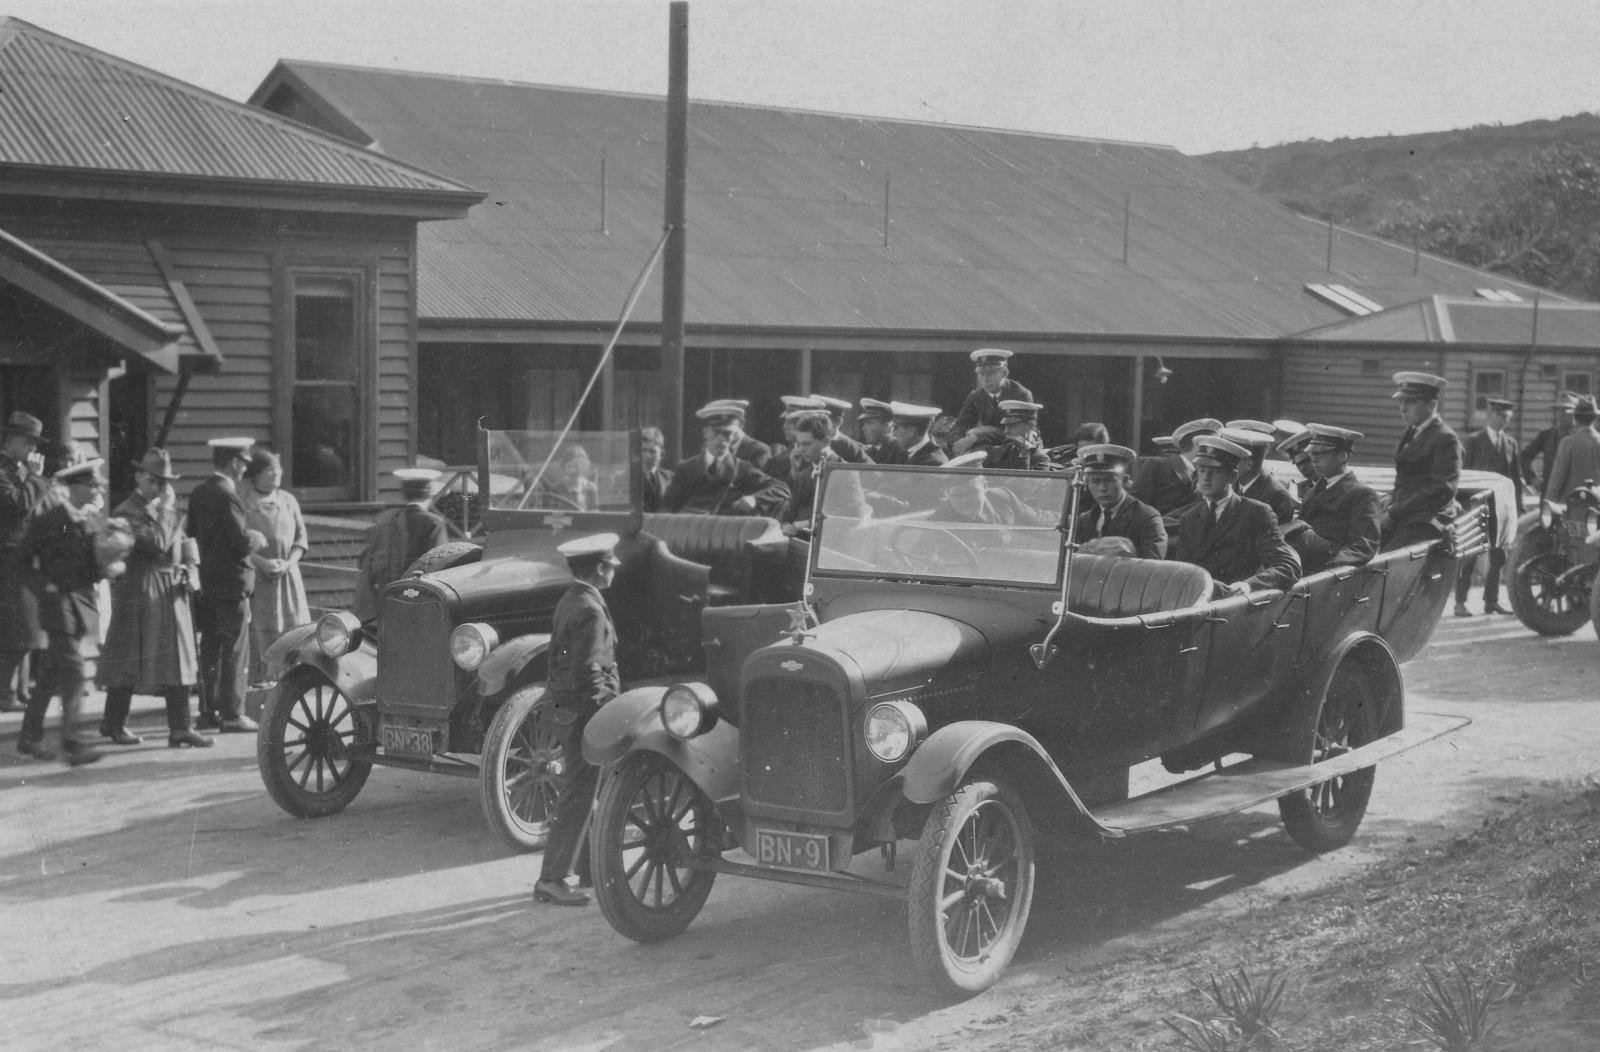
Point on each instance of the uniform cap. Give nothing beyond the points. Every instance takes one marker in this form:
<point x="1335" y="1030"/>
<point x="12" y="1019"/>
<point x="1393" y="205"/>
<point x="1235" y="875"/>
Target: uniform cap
<point x="1418" y="385"/>
<point x="1251" y="425"/>
<point x="20" y="423"/>
<point x="1288" y="428"/>
<point x="872" y="409"/>
<point x="1505" y="405"/>
<point x="414" y="475"/>
<point x="1250" y="439"/>
<point x="80" y="470"/>
<point x="241" y="444"/>
<point x="1217" y="451"/>
<point x="836" y="406"/>
<point x="1294" y="447"/>
<point x="798" y="403"/>
<point x="1166" y="442"/>
<point x="1012" y="409"/>
<point x="1205" y="425"/>
<point x="593" y="549"/>
<point x="968" y="460"/>
<point x="157" y="463"/>
<point x="906" y="412"/>
<point x="1326" y="436"/>
<point x="720" y="412"/>
<point x="1104" y="456"/>
<point x="985" y="356"/>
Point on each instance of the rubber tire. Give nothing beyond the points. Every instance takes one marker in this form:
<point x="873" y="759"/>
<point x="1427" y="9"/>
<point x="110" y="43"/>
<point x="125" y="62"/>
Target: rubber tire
<point x="444" y="556"/>
<point x="278" y="773"/>
<point x="1326" y="816"/>
<point x="946" y="967"/>
<point x="1594" y="605"/>
<point x="517" y="731"/>
<point x="652" y="775"/>
<point x="1526" y="604"/>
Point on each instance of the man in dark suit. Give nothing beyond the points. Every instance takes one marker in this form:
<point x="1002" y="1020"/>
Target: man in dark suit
<point x="1542" y="449"/>
<point x="910" y="430"/>
<point x="22" y="492"/>
<point x="656" y="477"/>
<point x="982" y="406"/>
<point x="812" y="431"/>
<point x="715" y="482"/>
<point x="846" y="448"/>
<point x="1116" y="513"/>
<point x="1578" y="456"/>
<point x="583" y="677"/>
<point x="60" y="547"/>
<point x="1294" y="448"/>
<point x="399" y="538"/>
<point x="1338" y="524"/>
<point x="1233" y="538"/>
<point x="1427" y="465"/>
<point x="1254" y="482"/>
<point x="1167" y="483"/>
<point x="1019" y="448"/>
<point x="222" y="606"/>
<point x="731" y="413"/>
<point x="873" y="420"/>
<point x="1492" y="449"/>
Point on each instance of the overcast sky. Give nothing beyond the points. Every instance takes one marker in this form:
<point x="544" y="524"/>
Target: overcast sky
<point x="1200" y="75"/>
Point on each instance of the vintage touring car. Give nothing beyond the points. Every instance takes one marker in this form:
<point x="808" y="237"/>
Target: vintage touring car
<point x="453" y="681"/>
<point x="958" y="675"/>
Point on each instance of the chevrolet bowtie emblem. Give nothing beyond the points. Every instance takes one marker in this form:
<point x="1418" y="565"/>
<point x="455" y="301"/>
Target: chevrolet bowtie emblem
<point x="411" y="593"/>
<point x="792" y="666"/>
<point x="558" y="521"/>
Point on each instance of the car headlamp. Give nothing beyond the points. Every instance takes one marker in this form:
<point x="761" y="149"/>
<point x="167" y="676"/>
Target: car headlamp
<point x="338" y="633"/>
<point x="893" y="729"/>
<point x="688" y="710"/>
<point x="471" y="643"/>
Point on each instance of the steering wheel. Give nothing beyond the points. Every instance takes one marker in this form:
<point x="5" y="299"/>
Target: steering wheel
<point x="944" y="552"/>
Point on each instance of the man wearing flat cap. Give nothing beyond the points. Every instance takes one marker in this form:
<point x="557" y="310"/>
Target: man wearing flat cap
<point x="715" y="481"/>
<point x="23" y="489"/>
<point x="992" y="365"/>
<point x="1578" y="455"/>
<point x="1427" y="465"/>
<point x="1116" y="514"/>
<point x="582" y="677"/>
<point x="1254" y="482"/>
<point x="1338" y="524"/>
<point x="1019" y="448"/>
<point x="1491" y="449"/>
<point x="1233" y="538"/>
<point x="399" y="538"/>
<point x="872" y="420"/>
<point x="909" y="426"/>
<point x="1544" y="445"/>
<point x="1167" y="483"/>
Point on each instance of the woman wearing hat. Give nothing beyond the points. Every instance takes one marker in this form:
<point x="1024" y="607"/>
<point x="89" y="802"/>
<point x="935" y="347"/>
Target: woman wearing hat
<point x="23" y="489"/>
<point x="279" y="600"/>
<point x="150" y="646"/>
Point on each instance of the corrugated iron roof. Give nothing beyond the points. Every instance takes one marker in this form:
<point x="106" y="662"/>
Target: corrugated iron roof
<point x="988" y="230"/>
<point x="1470" y="320"/>
<point x="66" y="105"/>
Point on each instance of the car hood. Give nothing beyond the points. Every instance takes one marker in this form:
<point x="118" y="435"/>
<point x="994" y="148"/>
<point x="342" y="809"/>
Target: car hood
<point x="896" y="649"/>
<point x="497" y="586"/>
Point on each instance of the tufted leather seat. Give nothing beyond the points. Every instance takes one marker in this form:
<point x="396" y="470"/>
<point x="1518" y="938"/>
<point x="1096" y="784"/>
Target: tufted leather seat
<point x="1107" y="586"/>
<point x="718" y="541"/>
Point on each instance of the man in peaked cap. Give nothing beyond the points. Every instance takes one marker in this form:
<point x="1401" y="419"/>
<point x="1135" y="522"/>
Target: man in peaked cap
<point x="1233" y="538"/>
<point x="1019" y="448"/>
<point x="992" y="365"/>
<point x="873" y="418"/>
<point x="227" y="578"/>
<point x="716" y="482"/>
<point x="1116" y="513"/>
<point x="399" y="538"/>
<point x="1254" y="482"/>
<point x="1427" y="465"/>
<point x="23" y="489"/>
<point x="728" y="414"/>
<point x="909" y="427"/>
<point x="1491" y="449"/>
<point x="1338" y="524"/>
<point x="1294" y="448"/>
<point x="844" y="447"/>
<point x="582" y="677"/>
<point x="1578" y="456"/>
<point x="1543" y="447"/>
<point x="1167" y="483"/>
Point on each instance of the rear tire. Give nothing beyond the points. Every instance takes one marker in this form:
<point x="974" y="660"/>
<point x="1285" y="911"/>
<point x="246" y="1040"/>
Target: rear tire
<point x="1540" y="603"/>
<point x="1326" y="816"/>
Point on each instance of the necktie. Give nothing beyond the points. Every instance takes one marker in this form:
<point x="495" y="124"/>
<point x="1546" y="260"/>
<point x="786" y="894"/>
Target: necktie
<point x="1405" y="439"/>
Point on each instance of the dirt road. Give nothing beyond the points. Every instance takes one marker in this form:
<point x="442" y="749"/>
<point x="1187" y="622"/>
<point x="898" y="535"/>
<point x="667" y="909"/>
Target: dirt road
<point x="160" y="900"/>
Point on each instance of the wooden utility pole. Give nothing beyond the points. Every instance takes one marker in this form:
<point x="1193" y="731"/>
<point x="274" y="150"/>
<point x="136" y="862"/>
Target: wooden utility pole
<point x="672" y="271"/>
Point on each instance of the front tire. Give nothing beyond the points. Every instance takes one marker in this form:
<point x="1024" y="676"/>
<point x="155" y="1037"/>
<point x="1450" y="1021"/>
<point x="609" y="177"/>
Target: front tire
<point x="519" y="780"/>
<point x="1541" y="603"/>
<point x="650" y="826"/>
<point x="1327" y="815"/>
<point x="971" y="887"/>
<point x="310" y="743"/>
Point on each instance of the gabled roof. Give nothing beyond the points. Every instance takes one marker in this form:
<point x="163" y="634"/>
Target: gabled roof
<point x="988" y="231"/>
<point x="1470" y="320"/>
<point x="69" y="110"/>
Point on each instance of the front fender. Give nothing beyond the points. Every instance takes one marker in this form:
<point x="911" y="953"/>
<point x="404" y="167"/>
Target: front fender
<point x="940" y="764"/>
<point x="630" y="722"/>
<point x="355" y="674"/>
<point x="508" y="659"/>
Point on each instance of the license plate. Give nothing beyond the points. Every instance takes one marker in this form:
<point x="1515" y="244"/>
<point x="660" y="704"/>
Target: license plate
<point x="806" y="851"/>
<point x="407" y="741"/>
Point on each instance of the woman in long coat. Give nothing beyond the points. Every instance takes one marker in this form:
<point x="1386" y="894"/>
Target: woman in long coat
<point x="150" y="645"/>
<point x="279" y="601"/>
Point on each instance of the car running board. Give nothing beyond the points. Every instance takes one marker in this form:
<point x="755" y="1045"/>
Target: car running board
<point x="1244" y="785"/>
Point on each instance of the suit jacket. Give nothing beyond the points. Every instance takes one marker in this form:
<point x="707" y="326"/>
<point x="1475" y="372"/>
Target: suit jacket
<point x="583" y="650"/>
<point x="752" y="451"/>
<point x="59" y="545"/>
<point x="886" y="452"/>
<point x="1542" y="448"/>
<point x="1577" y="461"/>
<point x="1481" y="454"/>
<point x="1244" y="545"/>
<point x="400" y="537"/>
<point x="982" y="408"/>
<point x="1426" y="471"/>
<point x="22" y="494"/>
<point x="217" y="523"/>
<point x="655" y="486"/>
<point x="1014" y="454"/>
<point x="1133" y="519"/>
<point x="1165" y="482"/>
<point x="926" y="454"/>
<point x="1342" y="525"/>
<point x="694" y="489"/>
<point x="1270" y="492"/>
<point x="803" y="491"/>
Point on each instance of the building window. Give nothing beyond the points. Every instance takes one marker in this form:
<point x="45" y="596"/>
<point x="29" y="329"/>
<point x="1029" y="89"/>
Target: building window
<point x="327" y="366"/>
<point x="1579" y="383"/>
<point x="1487" y="384"/>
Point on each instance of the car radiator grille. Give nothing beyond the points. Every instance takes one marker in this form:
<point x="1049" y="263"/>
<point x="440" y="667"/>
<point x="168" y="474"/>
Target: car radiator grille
<point x="795" y="748"/>
<point x="414" y="666"/>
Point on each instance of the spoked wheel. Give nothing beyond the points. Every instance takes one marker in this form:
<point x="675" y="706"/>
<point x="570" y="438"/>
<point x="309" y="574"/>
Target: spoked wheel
<point x="1544" y="602"/>
<point x="1326" y="816"/>
<point x="651" y="825"/>
<point x="310" y="746"/>
<point x="971" y="887"/>
<point x="520" y="774"/>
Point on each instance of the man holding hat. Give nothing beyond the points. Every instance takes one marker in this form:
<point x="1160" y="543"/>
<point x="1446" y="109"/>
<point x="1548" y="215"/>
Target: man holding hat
<point x="222" y="609"/>
<point x="399" y="538"/>
<point x="1491" y="449"/>
<point x="583" y="677"/>
<point x="982" y="407"/>
<point x="1338" y="523"/>
<point x="909" y="426"/>
<point x="1233" y="538"/>
<point x="846" y="448"/>
<point x="23" y="488"/>
<point x="873" y="419"/>
<point x="1578" y="455"/>
<point x="1427" y="465"/>
<point x="656" y="477"/>
<point x="1116" y="513"/>
<point x="715" y="481"/>
<point x="1167" y="483"/>
<point x="1545" y="443"/>
<point x="1020" y="448"/>
<point x="1255" y="483"/>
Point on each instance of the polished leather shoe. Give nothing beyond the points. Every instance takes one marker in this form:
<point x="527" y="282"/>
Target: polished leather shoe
<point x="35" y="749"/>
<point x="120" y="736"/>
<point x="188" y="740"/>
<point x="1496" y="608"/>
<point x="10" y="705"/>
<point x="1462" y="611"/>
<point x="82" y="755"/>
<point x="559" y="893"/>
<point x="208" y="721"/>
<point x="240" y="725"/>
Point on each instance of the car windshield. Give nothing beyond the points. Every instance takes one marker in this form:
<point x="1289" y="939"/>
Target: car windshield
<point x="930" y="524"/>
<point x="587" y="471"/>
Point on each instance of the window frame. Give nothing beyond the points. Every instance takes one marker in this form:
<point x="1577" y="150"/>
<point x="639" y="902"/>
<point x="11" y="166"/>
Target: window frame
<point x="1480" y="403"/>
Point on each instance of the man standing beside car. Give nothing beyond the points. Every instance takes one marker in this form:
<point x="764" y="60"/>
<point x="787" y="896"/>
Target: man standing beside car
<point x="1492" y="449"/>
<point x="1427" y="465"/>
<point x="399" y="538"/>
<point x="583" y="677"/>
<point x="222" y="609"/>
<point x="1577" y="457"/>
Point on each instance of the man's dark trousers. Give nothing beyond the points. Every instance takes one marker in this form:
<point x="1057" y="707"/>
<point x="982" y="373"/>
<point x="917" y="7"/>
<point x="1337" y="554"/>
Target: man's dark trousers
<point x="578" y="781"/>
<point x="61" y="673"/>
<point x="224" y="654"/>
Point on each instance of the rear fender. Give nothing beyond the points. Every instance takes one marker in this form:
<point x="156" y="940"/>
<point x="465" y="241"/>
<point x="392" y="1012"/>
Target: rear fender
<point x="1367" y="654"/>
<point x="508" y="660"/>
<point x="631" y="722"/>
<point x="355" y="674"/>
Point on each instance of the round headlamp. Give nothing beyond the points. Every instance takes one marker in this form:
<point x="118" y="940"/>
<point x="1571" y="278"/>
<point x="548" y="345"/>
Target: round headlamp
<point x="688" y="710"/>
<point x="893" y="729"/>
<point x="471" y="643"/>
<point x="338" y="633"/>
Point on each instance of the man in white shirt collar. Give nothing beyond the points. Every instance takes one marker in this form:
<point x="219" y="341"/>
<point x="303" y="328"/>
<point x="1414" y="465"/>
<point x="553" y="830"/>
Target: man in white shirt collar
<point x="910" y="430"/>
